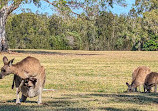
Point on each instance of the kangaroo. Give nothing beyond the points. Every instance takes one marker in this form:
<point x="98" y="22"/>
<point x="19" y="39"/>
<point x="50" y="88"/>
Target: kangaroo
<point x="23" y="71"/>
<point x="28" y="67"/>
<point x="138" y="78"/>
<point x="150" y="81"/>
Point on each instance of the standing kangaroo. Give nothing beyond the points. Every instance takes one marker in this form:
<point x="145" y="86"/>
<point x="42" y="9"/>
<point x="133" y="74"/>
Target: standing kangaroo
<point x="150" y="81"/>
<point x="23" y="70"/>
<point x="138" y="78"/>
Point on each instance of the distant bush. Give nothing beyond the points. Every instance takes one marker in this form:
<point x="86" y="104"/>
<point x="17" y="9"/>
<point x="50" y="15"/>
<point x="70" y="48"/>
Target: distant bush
<point x="152" y="44"/>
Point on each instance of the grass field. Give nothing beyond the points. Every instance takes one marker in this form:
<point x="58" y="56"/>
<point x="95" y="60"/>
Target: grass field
<point x="84" y="80"/>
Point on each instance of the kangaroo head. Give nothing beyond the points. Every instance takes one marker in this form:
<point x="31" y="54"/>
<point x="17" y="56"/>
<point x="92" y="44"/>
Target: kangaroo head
<point x="148" y="87"/>
<point x="6" y="69"/>
<point x="30" y="82"/>
<point x="130" y="87"/>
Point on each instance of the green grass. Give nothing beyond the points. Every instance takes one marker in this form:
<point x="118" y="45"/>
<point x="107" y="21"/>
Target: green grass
<point x="84" y="80"/>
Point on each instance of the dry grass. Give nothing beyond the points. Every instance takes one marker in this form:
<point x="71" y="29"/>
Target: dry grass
<point x="84" y="80"/>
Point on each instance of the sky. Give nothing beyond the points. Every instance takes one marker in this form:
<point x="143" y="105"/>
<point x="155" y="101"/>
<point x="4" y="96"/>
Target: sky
<point x="46" y="8"/>
<point x="123" y="10"/>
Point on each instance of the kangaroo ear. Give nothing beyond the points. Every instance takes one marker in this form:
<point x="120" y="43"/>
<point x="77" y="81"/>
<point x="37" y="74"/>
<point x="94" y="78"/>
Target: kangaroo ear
<point x="5" y="60"/>
<point x="127" y="84"/>
<point x="10" y="62"/>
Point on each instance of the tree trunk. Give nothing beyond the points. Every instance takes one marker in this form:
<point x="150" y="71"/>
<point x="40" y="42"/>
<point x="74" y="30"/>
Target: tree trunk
<point x="3" y="18"/>
<point x="4" y="13"/>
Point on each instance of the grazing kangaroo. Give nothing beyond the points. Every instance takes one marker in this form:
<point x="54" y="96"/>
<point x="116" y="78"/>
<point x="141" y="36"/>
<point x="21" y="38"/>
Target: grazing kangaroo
<point x="25" y="70"/>
<point x="138" y="78"/>
<point x="150" y="81"/>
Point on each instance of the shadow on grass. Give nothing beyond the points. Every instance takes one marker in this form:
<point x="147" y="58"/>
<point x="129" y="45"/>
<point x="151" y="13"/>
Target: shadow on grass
<point x="39" y="52"/>
<point x="136" y="98"/>
<point x="140" y="98"/>
<point x="22" y="107"/>
<point x="48" y="52"/>
<point x="117" y="109"/>
<point x="14" y="101"/>
<point x="73" y="102"/>
<point x="55" y="106"/>
<point x="61" y="103"/>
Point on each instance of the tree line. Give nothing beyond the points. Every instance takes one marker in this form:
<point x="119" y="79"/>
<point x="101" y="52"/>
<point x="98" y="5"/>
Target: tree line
<point x="62" y="7"/>
<point x="107" y="31"/>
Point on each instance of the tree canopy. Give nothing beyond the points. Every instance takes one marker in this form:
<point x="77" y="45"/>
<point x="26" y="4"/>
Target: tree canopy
<point x="106" y="31"/>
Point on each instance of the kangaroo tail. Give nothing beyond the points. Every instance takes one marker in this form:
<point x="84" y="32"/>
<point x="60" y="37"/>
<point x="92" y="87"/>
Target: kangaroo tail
<point x="49" y="89"/>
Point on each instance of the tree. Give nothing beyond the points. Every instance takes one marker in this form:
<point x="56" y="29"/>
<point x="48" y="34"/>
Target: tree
<point x="64" y="6"/>
<point x="152" y="44"/>
<point x="6" y="8"/>
<point x="27" y="30"/>
<point x="146" y="11"/>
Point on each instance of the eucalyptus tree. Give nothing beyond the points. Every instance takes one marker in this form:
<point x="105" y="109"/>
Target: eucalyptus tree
<point x="147" y="11"/>
<point x="6" y="8"/>
<point x="65" y="7"/>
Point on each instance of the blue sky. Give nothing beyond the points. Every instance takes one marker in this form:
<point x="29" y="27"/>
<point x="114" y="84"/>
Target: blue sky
<point x="46" y="8"/>
<point x="123" y="10"/>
